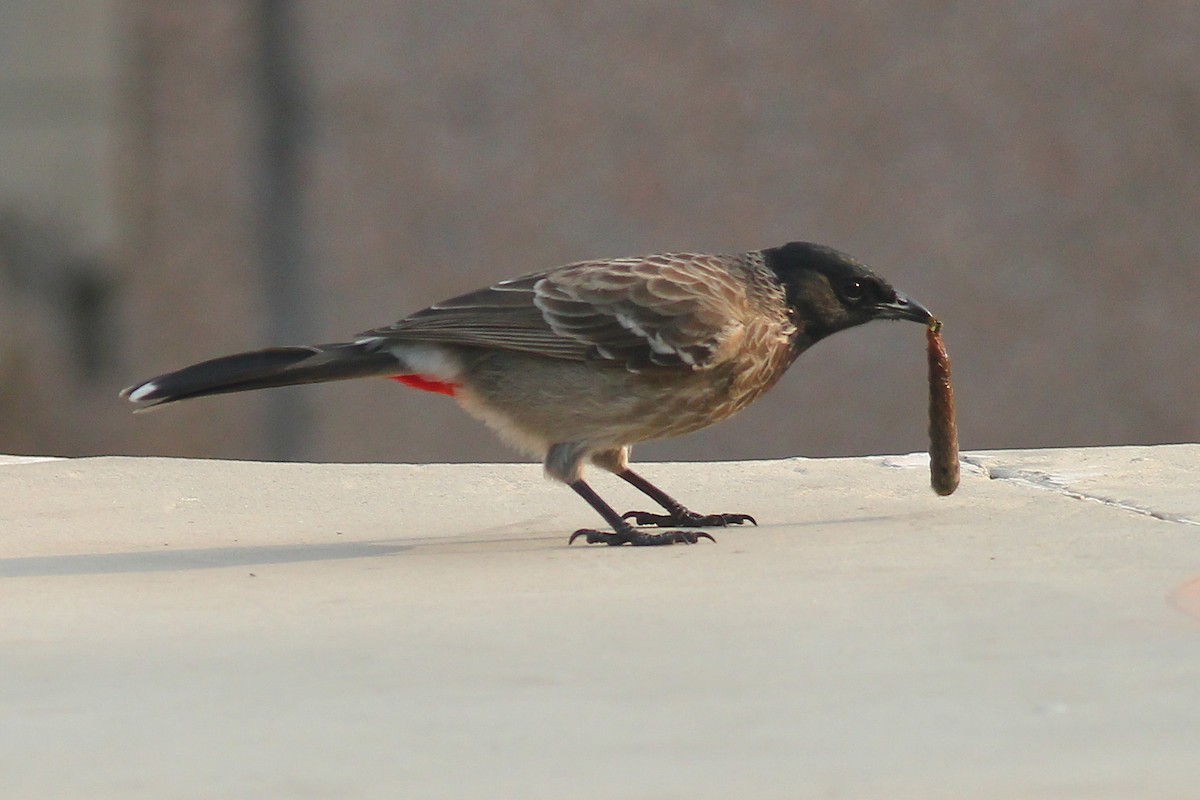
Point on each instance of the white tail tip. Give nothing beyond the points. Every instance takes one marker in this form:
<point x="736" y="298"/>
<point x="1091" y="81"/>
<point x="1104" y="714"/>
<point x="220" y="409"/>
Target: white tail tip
<point x="136" y="394"/>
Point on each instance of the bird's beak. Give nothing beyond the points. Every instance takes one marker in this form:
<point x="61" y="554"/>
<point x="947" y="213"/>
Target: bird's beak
<point x="903" y="308"/>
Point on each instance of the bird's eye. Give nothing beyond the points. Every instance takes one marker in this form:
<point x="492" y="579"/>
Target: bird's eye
<point x="853" y="290"/>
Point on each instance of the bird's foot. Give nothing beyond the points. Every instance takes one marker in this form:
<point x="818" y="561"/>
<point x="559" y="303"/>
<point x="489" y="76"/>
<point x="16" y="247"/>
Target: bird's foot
<point x="638" y="538"/>
<point x="688" y="518"/>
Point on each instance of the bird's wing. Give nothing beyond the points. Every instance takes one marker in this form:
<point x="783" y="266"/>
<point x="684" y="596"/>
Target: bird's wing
<point x="672" y="311"/>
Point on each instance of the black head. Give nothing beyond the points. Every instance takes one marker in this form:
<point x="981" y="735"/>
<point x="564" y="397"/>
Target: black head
<point x="829" y="291"/>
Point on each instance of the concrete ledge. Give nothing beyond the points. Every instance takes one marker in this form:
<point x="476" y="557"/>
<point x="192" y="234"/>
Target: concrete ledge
<point x="178" y="628"/>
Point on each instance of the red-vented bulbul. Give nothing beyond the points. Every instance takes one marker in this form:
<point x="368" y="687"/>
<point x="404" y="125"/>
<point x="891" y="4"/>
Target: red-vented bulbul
<point x="577" y="363"/>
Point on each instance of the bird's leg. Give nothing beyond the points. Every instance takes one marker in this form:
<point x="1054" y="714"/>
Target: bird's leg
<point x="677" y="514"/>
<point x="622" y="531"/>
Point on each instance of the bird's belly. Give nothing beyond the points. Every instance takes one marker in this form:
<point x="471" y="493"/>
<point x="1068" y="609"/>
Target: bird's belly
<point x="535" y="402"/>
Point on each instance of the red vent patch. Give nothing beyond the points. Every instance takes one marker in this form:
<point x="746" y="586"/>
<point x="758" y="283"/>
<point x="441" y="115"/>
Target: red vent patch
<point x="427" y="384"/>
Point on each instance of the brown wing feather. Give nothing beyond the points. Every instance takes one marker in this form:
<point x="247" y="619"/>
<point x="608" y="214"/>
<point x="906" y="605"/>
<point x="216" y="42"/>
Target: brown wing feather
<point x="672" y="311"/>
<point x="502" y="315"/>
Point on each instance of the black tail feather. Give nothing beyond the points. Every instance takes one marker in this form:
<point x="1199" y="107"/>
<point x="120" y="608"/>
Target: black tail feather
<point x="264" y="369"/>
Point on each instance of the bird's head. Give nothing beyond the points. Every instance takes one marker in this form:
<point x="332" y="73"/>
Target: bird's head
<point x="828" y="291"/>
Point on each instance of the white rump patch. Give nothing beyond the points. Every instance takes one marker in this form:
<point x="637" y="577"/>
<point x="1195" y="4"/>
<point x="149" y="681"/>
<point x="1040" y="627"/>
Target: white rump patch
<point x="430" y="360"/>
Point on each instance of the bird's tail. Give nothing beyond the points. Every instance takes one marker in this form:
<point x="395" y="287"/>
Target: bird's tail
<point x="263" y="369"/>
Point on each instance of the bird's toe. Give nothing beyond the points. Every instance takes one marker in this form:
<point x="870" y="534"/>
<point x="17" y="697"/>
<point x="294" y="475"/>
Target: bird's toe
<point x="687" y="519"/>
<point x="638" y="538"/>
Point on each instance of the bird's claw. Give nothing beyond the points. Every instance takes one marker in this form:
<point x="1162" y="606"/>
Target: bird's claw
<point x="688" y="518"/>
<point x="639" y="538"/>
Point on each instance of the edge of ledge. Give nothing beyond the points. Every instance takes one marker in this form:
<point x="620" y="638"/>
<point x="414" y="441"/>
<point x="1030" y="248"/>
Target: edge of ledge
<point x="9" y="461"/>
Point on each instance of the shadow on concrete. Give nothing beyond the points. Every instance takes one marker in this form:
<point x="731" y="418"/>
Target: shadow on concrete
<point x="171" y="560"/>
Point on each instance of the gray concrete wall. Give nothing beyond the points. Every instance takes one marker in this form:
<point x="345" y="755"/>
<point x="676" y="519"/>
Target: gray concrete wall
<point x="1028" y="171"/>
<point x="185" y="628"/>
<point x="60" y="225"/>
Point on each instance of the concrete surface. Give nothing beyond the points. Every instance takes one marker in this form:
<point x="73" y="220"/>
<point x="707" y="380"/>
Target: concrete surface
<point x="199" y="629"/>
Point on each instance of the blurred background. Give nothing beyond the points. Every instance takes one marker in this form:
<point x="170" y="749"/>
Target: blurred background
<point x="183" y="179"/>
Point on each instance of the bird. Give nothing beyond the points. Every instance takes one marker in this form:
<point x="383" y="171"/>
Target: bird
<point x="576" y="364"/>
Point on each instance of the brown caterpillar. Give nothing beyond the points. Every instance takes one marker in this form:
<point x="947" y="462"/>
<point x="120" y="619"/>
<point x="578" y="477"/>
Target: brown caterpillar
<point x="943" y="429"/>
